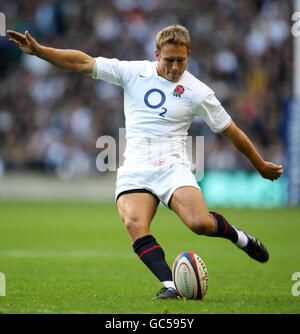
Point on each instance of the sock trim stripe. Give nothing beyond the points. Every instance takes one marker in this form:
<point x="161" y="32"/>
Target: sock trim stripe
<point x="148" y="250"/>
<point x="223" y="222"/>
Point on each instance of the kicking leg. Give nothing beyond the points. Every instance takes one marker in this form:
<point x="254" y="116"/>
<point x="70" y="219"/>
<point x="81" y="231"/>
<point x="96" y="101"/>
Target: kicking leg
<point x="189" y="204"/>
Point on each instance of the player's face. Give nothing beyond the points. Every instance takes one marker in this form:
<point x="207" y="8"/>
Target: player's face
<point x="172" y="60"/>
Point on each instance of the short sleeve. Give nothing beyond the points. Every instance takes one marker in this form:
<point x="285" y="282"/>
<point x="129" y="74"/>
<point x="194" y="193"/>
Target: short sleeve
<point x="113" y="71"/>
<point x="119" y="72"/>
<point x="213" y="114"/>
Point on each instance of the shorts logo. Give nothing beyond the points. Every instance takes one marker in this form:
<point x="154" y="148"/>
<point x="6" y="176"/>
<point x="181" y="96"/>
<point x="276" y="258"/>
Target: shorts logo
<point x="158" y="105"/>
<point x="178" y="91"/>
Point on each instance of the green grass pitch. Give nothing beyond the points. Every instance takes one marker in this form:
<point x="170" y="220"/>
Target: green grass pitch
<point x="77" y="258"/>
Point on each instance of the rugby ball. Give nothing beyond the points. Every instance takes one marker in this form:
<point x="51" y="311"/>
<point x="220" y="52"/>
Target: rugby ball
<point x="190" y="275"/>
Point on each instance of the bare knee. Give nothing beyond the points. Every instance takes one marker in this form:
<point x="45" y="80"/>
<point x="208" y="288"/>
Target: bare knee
<point x="135" y="226"/>
<point x="131" y="222"/>
<point x="137" y="211"/>
<point x="201" y="224"/>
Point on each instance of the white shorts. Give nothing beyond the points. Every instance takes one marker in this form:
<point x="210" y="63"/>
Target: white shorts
<point x="160" y="182"/>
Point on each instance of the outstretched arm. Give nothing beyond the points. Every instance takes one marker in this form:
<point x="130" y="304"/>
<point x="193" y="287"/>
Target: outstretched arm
<point x="238" y="138"/>
<point x="72" y="60"/>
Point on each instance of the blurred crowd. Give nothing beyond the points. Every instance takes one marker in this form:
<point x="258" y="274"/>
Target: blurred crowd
<point x="50" y="119"/>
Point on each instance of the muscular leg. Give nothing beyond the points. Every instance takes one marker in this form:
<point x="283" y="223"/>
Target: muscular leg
<point x="190" y="206"/>
<point x="137" y="211"/>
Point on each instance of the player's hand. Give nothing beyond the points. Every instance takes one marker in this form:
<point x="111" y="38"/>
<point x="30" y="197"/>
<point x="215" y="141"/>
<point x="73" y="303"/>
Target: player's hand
<point x="270" y="171"/>
<point x="25" y="42"/>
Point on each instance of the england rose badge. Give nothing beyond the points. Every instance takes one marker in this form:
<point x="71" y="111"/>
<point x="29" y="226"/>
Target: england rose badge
<point x="178" y="91"/>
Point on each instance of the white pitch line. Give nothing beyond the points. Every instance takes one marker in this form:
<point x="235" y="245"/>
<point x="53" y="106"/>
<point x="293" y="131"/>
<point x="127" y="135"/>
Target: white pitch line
<point x="22" y="253"/>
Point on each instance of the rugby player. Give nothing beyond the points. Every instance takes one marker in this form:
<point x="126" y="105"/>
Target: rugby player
<point x="161" y="99"/>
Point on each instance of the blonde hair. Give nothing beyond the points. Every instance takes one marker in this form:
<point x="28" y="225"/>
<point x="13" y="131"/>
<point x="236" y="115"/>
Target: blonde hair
<point x="174" y="34"/>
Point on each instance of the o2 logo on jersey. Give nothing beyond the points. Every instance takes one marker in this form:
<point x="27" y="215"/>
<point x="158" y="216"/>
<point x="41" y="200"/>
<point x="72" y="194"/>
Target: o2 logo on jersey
<point x="154" y="99"/>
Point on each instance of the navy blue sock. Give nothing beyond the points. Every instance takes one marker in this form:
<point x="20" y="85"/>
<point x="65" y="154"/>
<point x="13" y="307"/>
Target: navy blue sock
<point x="223" y="228"/>
<point x="153" y="256"/>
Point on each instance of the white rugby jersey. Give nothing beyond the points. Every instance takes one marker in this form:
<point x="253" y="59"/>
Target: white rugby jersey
<point x="158" y="112"/>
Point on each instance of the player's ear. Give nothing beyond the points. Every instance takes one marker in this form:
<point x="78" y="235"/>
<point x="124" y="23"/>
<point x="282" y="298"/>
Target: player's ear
<point x="189" y="52"/>
<point x="157" y="54"/>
